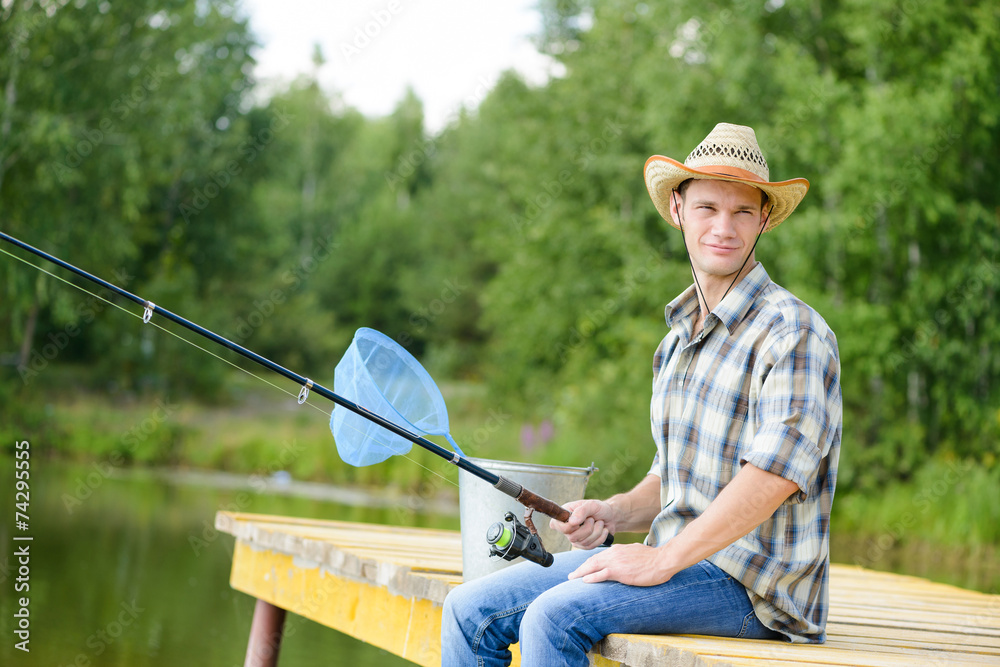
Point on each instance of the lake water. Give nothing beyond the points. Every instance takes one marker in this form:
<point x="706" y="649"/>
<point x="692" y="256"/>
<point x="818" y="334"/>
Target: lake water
<point x="128" y="570"/>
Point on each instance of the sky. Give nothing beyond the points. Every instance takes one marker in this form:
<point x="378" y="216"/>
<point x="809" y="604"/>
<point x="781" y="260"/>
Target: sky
<point x="451" y="52"/>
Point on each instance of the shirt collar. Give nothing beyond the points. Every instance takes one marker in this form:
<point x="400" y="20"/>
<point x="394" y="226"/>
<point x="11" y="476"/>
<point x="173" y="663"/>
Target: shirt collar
<point x="683" y="310"/>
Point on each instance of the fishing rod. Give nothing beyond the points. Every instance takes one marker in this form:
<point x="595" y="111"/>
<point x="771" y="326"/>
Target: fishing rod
<point x="510" y="542"/>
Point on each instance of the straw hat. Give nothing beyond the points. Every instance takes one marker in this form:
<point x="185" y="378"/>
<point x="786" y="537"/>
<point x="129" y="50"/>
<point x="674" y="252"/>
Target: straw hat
<point x="728" y="153"/>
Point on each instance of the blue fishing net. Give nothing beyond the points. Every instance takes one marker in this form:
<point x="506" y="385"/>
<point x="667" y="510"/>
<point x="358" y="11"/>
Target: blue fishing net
<point x="382" y="377"/>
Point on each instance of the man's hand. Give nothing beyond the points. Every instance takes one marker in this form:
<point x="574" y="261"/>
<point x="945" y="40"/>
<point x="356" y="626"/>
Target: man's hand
<point x="589" y="524"/>
<point x="632" y="564"/>
<point x="591" y="521"/>
<point x="751" y="496"/>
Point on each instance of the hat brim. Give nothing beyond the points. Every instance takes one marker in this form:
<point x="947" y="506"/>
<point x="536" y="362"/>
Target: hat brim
<point x="664" y="174"/>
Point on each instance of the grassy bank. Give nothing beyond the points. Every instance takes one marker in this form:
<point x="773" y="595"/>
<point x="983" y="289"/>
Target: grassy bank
<point x="250" y="428"/>
<point x="258" y="430"/>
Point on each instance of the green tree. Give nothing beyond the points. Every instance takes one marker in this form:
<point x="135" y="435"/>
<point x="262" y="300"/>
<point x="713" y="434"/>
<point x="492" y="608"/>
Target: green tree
<point x="119" y="122"/>
<point x="885" y="108"/>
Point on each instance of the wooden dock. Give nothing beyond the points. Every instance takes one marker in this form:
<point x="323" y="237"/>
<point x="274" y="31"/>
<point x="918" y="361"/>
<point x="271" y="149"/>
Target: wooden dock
<point x="385" y="585"/>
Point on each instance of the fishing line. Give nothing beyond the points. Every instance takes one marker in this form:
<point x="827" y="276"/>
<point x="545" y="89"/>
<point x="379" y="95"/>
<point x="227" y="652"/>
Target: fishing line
<point x="207" y="351"/>
<point x="175" y="335"/>
<point x="531" y="501"/>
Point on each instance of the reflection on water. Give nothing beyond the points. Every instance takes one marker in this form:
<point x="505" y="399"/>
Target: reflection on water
<point x="973" y="568"/>
<point x="129" y="570"/>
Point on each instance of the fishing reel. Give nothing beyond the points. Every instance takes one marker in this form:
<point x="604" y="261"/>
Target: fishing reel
<point x="513" y="538"/>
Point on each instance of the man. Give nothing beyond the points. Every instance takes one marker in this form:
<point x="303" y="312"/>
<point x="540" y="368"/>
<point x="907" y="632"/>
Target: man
<point x="746" y="415"/>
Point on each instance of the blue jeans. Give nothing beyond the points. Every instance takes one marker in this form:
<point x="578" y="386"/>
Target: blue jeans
<point x="557" y="621"/>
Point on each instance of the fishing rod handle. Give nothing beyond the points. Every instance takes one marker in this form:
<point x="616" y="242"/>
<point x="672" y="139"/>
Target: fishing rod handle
<point x="539" y="503"/>
<point x="510" y="488"/>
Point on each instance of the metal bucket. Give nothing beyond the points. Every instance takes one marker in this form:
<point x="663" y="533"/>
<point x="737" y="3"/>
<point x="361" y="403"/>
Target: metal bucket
<point x="481" y="505"/>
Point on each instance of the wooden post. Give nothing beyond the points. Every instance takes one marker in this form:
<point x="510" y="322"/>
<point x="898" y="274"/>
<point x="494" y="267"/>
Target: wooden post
<point x="265" y="635"/>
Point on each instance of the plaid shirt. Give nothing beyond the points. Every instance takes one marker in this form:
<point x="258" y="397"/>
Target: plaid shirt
<point x="759" y="384"/>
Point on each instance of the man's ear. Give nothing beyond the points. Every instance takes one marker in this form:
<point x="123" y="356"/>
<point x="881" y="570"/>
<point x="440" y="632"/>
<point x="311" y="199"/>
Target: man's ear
<point x="676" y="203"/>
<point x="765" y="212"/>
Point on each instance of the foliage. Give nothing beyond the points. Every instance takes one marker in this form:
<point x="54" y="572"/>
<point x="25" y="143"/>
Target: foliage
<point x="518" y="247"/>
<point x="118" y="123"/>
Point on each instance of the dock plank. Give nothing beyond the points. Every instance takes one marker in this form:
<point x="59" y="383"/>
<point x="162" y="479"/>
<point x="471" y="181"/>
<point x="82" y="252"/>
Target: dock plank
<point x="385" y="585"/>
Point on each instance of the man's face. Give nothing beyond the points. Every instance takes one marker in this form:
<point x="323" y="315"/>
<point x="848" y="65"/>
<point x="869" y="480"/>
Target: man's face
<point x="721" y="221"/>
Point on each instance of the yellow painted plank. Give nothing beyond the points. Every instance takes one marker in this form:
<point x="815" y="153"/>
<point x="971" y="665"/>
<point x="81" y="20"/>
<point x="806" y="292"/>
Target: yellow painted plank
<point x="876" y="618"/>
<point x="408" y="628"/>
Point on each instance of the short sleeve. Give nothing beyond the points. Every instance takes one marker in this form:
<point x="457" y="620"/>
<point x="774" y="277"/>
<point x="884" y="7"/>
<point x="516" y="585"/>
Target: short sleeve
<point x="798" y="408"/>
<point x="654" y="469"/>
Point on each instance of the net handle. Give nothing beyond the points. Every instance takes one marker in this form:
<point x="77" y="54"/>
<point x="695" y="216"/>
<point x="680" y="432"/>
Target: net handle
<point x="523" y="496"/>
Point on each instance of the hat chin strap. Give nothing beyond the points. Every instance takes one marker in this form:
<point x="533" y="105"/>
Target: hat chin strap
<point x="701" y="293"/>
